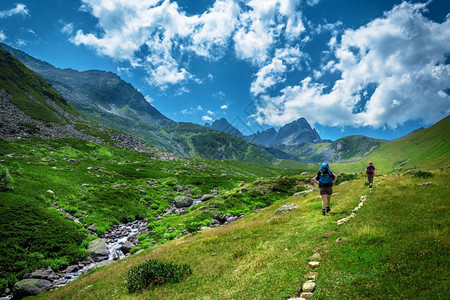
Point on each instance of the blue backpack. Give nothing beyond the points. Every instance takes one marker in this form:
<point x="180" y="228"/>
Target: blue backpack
<point x="325" y="175"/>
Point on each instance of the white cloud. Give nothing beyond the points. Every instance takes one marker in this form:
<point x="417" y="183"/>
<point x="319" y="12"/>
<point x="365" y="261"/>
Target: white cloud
<point x="199" y="107"/>
<point x="225" y="106"/>
<point x="158" y="36"/>
<point x="206" y="118"/>
<point x="21" y="42"/>
<point x="20" y="9"/>
<point x="2" y="36"/>
<point x="400" y="56"/>
<point x="210" y="112"/>
<point x="148" y="99"/>
<point x="67" y="28"/>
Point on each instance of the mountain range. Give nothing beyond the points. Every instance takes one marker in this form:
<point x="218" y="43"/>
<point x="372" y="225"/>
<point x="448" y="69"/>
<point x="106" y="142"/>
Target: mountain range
<point x="108" y="101"/>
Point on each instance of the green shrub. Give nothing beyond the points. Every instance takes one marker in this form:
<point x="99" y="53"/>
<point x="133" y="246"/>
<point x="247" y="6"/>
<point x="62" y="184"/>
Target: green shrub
<point x="422" y="174"/>
<point x="153" y="272"/>
<point x="15" y="168"/>
<point x="6" y="181"/>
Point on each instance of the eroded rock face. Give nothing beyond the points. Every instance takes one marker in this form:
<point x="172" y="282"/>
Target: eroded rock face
<point x="30" y="287"/>
<point x="42" y="273"/>
<point x="98" y="250"/>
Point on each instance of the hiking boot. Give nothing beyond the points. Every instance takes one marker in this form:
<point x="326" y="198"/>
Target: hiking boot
<point x="328" y="209"/>
<point x="323" y="211"/>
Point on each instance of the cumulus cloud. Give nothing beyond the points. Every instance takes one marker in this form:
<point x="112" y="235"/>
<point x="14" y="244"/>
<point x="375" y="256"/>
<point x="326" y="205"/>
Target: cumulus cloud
<point x="159" y="37"/>
<point x="210" y="112"/>
<point x="148" y="99"/>
<point x="225" y="106"/>
<point x="20" y="9"/>
<point x="67" y="28"/>
<point x="392" y="70"/>
<point x="206" y="118"/>
<point x="2" y="36"/>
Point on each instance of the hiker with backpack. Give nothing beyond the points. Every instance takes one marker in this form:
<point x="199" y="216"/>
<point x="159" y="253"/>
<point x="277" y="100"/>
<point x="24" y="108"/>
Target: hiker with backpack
<point x="325" y="179"/>
<point x="370" y="173"/>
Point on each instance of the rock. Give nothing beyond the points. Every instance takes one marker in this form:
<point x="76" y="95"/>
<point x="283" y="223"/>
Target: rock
<point x="98" y="250"/>
<point x="214" y="222"/>
<point x="223" y="175"/>
<point x="286" y="208"/>
<point x="304" y="173"/>
<point x="315" y="257"/>
<point x="92" y="227"/>
<point x="50" y="192"/>
<point x="241" y="184"/>
<point x="202" y="208"/>
<point x="341" y="239"/>
<point x="71" y="269"/>
<point x="206" y="197"/>
<point x="183" y="201"/>
<point x="85" y="185"/>
<point x="309" y="286"/>
<point x="73" y="161"/>
<point x="30" y="287"/>
<point x="42" y="273"/>
<point x="303" y="192"/>
<point x="313" y="264"/>
<point x="413" y="171"/>
<point x="425" y="183"/>
<point x="306" y="295"/>
<point x="257" y="182"/>
<point x="312" y="275"/>
<point x="243" y="190"/>
<point x="342" y="221"/>
<point x="127" y="246"/>
<point x="344" y="182"/>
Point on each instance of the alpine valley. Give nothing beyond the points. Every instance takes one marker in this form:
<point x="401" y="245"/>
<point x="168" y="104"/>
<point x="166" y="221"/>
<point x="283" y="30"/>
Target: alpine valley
<point x="99" y="192"/>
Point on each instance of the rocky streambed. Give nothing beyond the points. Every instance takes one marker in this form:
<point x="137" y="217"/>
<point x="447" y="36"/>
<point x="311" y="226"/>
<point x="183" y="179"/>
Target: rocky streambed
<point x="114" y="245"/>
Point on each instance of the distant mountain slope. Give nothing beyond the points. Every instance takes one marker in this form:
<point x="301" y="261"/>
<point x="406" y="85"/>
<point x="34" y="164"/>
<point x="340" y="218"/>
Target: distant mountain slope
<point x="423" y="148"/>
<point x="103" y="90"/>
<point x="30" y="106"/>
<point x="224" y="126"/>
<point x="294" y="133"/>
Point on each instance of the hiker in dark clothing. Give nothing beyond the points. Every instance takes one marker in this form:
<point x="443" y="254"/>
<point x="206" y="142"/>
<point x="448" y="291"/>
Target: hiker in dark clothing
<point x="325" y="179"/>
<point x="370" y="173"/>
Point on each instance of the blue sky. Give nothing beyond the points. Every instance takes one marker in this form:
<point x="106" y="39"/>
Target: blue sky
<point x="378" y="68"/>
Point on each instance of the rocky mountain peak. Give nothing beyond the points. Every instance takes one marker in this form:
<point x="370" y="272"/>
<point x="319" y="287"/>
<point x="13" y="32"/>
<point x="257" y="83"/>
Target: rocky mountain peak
<point x="224" y="126"/>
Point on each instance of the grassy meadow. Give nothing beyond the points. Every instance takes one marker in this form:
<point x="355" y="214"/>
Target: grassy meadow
<point x="395" y="248"/>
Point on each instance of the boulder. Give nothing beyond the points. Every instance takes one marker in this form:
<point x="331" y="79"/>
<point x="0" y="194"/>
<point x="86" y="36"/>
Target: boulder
<point x="206" y="197"/>
<point x="92" y="227"/>
<point x="413" y="171"/>
<point x="98" y="250"/>
<point x="127" y="246"/>
<point x="72" y="269"/>
<point x="30" y="287"/>
<point x="42" y="273"/>
<point x="183" y="201"/>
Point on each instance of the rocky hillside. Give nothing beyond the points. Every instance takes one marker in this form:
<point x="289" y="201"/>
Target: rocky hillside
<point x="224" y="126"/>
<point x="103" y="90"/>
<point x="31" y="107"/>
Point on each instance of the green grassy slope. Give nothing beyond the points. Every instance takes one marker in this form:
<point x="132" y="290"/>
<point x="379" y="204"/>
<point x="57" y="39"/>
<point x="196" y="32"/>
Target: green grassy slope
<point x="426" y="148"/>
<point x="116" y="179"/>
<point x="396" y="248"/>
<point x="22" y="84"/>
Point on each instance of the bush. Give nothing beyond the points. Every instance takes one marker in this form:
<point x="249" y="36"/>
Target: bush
<point x="422" y="174"/>
<point x="6" y="180"/>
<point x="153" y="272"/>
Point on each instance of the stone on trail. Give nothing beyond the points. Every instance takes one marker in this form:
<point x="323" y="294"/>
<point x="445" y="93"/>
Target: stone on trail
<point x="425" y="183"/>
<point x="309" y="286"/>
<point x="98" y="250"/>
<point x="286" y="208"/>
<point x="306" y="295"/>
<point x="341" y="221"/>
<point x="30" y="287"/>
<point x="315" y="257"/>
<point x="311" y="275"/>
<point x="313" y="264"/>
